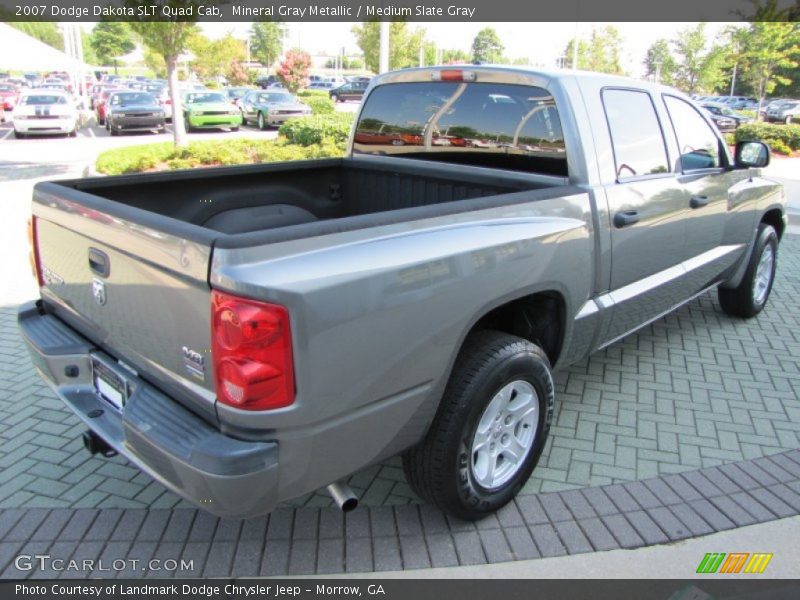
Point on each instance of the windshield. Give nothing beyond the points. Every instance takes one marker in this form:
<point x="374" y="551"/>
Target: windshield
<point x="486" y="124"/>
<point x="132" y="98"/>
<point x="196" y="98"/>
<point x="7" y="88"/>
<point x="275" y="98"/>
<point x="44" y="99"/>
<point x="237" y="92"/>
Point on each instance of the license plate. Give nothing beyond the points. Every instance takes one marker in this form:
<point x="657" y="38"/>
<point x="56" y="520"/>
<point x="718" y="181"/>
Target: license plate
<point x="110" y="385"/>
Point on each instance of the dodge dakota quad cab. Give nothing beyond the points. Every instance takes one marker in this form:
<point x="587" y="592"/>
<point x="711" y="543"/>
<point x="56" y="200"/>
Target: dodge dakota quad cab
<point x="246" y="335"/>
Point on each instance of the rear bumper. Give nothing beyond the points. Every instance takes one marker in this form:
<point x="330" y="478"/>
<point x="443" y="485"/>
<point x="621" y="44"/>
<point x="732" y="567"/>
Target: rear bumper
<point x="224" y="475"/>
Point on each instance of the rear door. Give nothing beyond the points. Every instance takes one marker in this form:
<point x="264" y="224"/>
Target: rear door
<point x="138" y="292"/>
<point x="647" y="209"/>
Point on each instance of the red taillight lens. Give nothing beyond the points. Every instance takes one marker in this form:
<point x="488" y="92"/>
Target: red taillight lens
<point x="252" y="353"/>
<point x="33" y="253"/>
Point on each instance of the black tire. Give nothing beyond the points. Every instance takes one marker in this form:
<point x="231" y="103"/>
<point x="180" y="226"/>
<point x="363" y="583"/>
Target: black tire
<point x="334" y="97"/>
<point x="73" y="133"/>
<point x="440" y="468"/>
<point x="19" y="135"/>
<point x="261" y="122"/>
<point x="244" y="119"/>
<point x="113" y="132"/>
<point x="235" y="129"/>
<point x="743" y="300"/>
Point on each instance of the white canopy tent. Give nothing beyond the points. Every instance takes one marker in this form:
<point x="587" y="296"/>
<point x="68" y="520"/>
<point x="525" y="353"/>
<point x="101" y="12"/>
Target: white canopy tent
<point x="20" y="52"/>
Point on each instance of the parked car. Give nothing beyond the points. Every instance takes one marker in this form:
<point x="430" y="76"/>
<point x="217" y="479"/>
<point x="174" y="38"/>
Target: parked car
<point x="410" y="300"/>
<point x="209" y="110"/>
<point x="235" y="94"/>
<point x="134" y="111"/>
<point x="724" y="118"/>
<point x="270" y="108"/>
<point x="267" y="81"/>
<point x="784" y="112"/>
<point x="321" y="85"/>
<point x="353" y="90"/>
<point x="100" y="103"/>
<point x="9" y="93"/>
<point x="44" y="112"/>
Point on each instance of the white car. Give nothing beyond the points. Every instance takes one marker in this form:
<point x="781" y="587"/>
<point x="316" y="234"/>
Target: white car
<point x="43" y="112"/>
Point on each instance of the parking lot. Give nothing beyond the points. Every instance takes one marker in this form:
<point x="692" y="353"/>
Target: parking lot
<point x="662" y="436"/>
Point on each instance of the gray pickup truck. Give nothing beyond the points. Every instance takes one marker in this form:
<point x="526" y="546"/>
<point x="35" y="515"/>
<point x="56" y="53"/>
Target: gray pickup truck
<point x="246" y="335"/>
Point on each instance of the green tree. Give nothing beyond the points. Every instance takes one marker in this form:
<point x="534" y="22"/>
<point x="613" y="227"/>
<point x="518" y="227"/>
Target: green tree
<point x="89" y="55"/>
<point x="660" y="62"/>
<point x="487" y="47"/>
<point x="700" y="64"/>
<point x="770" y="54"/>
<point x="168" y="40"/>
<point x="450" y="56"/>
<point x="293" y="71"/>
<point x="403" y="44"/>
<point x="110" y="40"/>
<point x="266" y="41"/>
<point x="44" y="31"/>
<point x="600" y="53"/>
<point x="214" y="58"/>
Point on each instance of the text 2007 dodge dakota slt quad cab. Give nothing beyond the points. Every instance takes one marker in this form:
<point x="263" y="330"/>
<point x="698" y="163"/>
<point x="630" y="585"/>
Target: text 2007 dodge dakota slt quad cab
<point x="246" y="335"/>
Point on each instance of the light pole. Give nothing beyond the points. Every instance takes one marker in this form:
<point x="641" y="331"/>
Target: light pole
<point x="383" y="56"/>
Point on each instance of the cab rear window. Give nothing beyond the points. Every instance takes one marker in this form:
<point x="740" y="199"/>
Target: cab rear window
<point x="503" y="126"/>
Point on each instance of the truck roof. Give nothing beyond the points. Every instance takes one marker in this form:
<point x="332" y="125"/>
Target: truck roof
<point x="521" y="75"/>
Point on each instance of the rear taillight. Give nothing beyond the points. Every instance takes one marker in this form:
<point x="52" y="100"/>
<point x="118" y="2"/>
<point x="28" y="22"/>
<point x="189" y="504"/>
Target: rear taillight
<point x="33" y="252"/>
<point x="252" y="353"/>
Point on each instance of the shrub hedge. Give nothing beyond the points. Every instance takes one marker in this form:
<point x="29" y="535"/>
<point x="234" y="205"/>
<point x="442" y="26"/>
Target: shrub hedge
<point x="211" y="153"/>
<point x="320" y="105"/>
<point x="307" y="131"/>
<point x="781" y="138"/>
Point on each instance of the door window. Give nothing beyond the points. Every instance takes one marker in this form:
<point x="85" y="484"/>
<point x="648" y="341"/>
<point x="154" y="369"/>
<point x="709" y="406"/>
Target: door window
<point x="697" y="143"/>
<point x="635" y="133"/>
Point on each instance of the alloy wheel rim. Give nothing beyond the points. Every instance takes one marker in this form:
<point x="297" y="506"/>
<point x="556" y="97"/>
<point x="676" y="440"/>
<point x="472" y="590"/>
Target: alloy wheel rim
<point x="763" y="278"/>
<point x="505" y="434"/>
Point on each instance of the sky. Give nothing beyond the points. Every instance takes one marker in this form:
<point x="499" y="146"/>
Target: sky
<point x="540" y="43"/>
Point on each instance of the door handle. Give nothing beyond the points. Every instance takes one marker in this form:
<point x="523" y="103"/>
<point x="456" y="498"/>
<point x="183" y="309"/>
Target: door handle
<point x="625" y="218"/>
<point x="698" y="201"/>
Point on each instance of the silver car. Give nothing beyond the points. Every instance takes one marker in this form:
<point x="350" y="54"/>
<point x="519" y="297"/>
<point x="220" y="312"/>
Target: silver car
<point x="271" y="107"/>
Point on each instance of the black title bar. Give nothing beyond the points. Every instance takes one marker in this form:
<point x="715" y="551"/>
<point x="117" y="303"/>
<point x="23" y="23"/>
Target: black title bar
<point x="407" y="10"/>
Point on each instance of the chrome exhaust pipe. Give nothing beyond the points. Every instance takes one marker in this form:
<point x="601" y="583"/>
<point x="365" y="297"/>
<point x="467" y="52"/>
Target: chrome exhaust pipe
<point x="344" y="497"/>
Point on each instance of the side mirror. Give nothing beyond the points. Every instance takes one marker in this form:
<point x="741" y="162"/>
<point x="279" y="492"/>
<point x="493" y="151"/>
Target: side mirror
<point x="751" y="154"/>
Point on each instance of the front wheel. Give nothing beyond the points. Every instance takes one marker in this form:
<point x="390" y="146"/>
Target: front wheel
<point x="262" y="124"/>
<point x="490" y="429"/>
<point x="751" y="295"/>
<point x="334" y="97"/>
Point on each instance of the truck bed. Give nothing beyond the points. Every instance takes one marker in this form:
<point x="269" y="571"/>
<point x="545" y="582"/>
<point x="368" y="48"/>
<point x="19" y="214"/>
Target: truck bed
<point x="303" y="195"/>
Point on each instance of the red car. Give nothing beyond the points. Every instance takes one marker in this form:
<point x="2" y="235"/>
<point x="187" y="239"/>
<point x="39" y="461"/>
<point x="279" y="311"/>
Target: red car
<point x="100" y="103"/>
<point x="9" y="94"/>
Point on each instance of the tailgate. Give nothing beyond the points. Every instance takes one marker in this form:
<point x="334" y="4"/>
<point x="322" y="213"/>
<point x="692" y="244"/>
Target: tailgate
<point x="140" y="292"/>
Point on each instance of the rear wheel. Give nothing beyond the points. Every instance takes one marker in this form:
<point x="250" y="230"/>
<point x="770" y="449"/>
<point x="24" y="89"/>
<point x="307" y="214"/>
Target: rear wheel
<point x="751" y="295"/>
<point x="235" y="128"/>
<point x="490" y="429"/>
